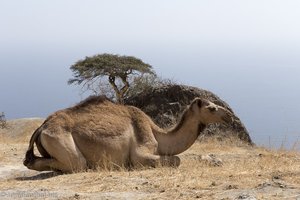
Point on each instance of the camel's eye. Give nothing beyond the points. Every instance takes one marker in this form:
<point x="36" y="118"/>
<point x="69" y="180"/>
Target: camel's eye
<point x="212" y="109"/>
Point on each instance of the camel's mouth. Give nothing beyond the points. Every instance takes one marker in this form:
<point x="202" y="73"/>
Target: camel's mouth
<point x="227" y="120"/>
<point x="228" y="117"/>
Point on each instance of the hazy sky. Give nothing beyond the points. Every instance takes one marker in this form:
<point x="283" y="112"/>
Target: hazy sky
<point x="247" y="52"/>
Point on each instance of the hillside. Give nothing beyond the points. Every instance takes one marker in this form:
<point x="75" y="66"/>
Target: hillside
<point x="20" y="130"/>
<point x="210" y="170"/>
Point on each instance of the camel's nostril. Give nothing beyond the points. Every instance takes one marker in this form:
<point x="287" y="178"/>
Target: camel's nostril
<point x="212" y="109"/>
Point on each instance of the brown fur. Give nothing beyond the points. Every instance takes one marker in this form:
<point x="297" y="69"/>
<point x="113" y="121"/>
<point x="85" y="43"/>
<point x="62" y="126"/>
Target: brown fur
<point x="92" y="100"/>
<point x="97" y="131"/>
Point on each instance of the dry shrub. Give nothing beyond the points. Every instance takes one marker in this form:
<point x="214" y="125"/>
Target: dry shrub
<point x="3" y="123"/>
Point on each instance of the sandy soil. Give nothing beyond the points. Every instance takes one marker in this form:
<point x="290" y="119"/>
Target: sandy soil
<point x="234" y="171"/>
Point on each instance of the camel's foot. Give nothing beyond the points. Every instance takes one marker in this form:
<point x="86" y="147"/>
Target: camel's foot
<point x="151" y="160"/>
<point x="171" y="161"/>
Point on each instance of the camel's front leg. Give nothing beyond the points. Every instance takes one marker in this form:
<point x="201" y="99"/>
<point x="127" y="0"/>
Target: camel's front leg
<point x="151" y="160"/>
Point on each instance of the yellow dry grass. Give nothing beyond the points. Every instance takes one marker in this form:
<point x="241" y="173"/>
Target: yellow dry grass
<point x="19" y="130"/>
<point x="263" y="173"/>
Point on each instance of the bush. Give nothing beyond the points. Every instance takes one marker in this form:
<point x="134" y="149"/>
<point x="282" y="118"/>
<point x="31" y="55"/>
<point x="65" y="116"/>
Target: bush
<point x="3" y="123"/>
<point x="146" y="83"/>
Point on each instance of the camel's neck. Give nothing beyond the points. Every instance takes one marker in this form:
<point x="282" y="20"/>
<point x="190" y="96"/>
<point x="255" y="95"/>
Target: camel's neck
<point x="180" y="138"/>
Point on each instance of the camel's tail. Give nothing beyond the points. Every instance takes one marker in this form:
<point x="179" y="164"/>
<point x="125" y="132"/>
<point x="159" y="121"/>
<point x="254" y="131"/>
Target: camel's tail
<point x="30" y="157"/>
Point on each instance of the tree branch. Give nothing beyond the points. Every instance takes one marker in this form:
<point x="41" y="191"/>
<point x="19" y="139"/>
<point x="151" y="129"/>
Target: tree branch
<point x="112" y="80"/>
<point x="125" y="88"/>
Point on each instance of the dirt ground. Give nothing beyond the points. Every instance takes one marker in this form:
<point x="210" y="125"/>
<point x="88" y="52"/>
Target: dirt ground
<point x="209" y="170"/>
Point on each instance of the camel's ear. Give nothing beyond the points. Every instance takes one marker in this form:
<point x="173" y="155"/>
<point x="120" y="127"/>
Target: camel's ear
<point x="198" y="102"/>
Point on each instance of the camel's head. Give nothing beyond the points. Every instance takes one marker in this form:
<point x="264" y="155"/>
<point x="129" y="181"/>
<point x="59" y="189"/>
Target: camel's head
<point x="208" y="112"/>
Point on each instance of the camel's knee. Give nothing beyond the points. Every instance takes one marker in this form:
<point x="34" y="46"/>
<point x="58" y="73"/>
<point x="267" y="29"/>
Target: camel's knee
<point x="76" y="165"/>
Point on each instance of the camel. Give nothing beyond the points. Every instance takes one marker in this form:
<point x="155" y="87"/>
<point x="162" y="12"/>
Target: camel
<point x="95" y="131"/>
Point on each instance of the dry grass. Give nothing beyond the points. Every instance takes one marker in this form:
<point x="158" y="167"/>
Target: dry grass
<point x="263" y="173"/>
<point x="254" y="171"/>
<point x="19" y="130"/>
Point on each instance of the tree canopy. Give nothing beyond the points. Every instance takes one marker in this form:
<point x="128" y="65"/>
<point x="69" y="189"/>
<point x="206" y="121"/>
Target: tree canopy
<point x="120" y="72"/>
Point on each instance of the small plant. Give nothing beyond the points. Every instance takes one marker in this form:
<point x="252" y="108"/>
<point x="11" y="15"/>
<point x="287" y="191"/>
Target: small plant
<point x="3" y="123"/>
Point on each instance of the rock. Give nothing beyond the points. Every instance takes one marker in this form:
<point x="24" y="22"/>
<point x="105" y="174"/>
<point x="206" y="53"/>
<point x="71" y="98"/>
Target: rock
<point x="231" y="187"/>
<point x="211" y="160"/>
<point x="245" y="197"/>
<point x="165" y="103"/>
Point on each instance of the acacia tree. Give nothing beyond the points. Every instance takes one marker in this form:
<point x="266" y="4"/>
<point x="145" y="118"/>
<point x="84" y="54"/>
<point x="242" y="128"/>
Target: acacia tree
<point x="117" y="72"/>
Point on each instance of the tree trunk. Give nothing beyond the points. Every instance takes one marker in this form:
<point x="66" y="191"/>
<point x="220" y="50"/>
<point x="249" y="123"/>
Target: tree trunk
<point x="119" y="94"/>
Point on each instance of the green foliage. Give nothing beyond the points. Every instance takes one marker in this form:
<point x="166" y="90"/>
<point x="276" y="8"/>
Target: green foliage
<point x="107" y="65"/>
<point x="120" y="72"/>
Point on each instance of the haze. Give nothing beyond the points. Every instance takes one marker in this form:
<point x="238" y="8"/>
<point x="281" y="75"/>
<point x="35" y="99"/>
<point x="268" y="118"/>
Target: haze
<point x="246" y="52"/>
